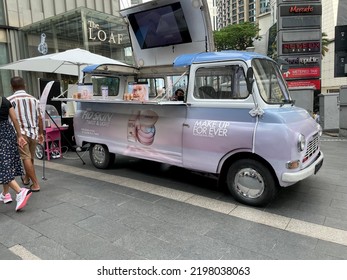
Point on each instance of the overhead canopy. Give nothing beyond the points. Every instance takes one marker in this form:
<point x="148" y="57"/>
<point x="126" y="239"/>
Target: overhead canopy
<point x="68" y="62"/>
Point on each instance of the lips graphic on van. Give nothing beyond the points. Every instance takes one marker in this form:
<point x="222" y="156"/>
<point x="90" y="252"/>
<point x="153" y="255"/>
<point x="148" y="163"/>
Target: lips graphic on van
<point x="141" y="127"/>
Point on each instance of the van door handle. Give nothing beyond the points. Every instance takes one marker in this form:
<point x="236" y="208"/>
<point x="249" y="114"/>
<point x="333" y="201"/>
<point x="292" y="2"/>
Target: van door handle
<point x="186" y="125"/>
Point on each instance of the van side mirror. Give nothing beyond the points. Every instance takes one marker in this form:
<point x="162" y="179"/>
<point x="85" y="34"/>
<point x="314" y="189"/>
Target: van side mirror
<point x="249" y="79"/>
<point x="284" y="65"/>
<point x="284" y="68"/>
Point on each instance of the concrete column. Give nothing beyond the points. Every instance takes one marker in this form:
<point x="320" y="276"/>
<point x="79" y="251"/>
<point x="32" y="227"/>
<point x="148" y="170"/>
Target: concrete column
<point x="343" y="111"/>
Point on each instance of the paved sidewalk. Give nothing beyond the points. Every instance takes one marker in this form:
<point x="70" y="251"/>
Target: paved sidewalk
<point x="146" y="210"/>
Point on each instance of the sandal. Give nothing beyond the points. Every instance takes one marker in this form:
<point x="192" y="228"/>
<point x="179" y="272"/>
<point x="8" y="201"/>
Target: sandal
<point x="25" y="184"/>
<point x="31" y="188"/>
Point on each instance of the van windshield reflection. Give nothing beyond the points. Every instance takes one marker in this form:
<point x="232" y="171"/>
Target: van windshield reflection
<point x="270" y="82"/>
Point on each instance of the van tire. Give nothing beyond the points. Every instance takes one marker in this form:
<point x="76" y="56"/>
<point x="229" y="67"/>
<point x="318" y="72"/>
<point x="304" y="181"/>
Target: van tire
<point x="250" y="182"/>
<point x="100" y="156"/>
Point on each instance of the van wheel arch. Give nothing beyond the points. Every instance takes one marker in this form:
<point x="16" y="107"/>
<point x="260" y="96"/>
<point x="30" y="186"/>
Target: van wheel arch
<point x="241" y="166"/>
<point x="100" y="156"/>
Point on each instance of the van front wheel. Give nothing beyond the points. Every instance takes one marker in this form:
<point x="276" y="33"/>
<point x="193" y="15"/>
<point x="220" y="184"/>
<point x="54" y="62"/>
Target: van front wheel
<point x="251" y="183"/>
<point x="100" y="156"/>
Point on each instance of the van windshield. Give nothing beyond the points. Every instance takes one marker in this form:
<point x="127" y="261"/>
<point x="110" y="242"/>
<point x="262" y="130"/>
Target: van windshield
<point x="271" y="85"/>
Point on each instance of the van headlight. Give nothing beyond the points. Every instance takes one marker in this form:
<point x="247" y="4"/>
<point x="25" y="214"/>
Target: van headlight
<point x="301" y="142"/>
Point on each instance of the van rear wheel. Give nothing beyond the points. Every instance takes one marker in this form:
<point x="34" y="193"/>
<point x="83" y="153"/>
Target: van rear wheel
<point x="251" y="183"/>
<point x="100" y="156"/>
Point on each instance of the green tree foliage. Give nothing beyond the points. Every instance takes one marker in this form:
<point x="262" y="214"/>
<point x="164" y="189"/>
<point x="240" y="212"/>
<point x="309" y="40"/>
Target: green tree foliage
<point x="236" y="36"/>
<point x="325" y="43"/>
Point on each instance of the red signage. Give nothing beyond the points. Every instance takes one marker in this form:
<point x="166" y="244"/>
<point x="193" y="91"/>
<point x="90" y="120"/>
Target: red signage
<point x="304" y="83"/>
<point x="301" y="47"/>
<point x="301" y="73"/>
<point x="301" y="9"/>
<point x="292" y="10"/>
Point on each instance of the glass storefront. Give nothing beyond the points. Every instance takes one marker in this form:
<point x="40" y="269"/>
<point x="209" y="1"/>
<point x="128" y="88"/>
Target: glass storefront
<point x="5" y="75"/>
<point x="2" y="15"/>
<point x="97" y="32"/>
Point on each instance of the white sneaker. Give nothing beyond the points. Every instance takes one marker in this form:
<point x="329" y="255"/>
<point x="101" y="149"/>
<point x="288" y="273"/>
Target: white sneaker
<point x="22" y="198"/>
<point x="6" y="198"/>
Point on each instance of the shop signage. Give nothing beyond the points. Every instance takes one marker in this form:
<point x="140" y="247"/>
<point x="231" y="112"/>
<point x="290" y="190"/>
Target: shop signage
<point x="300" y="21"/>
<point x="294" y="10"/>
<point x="341" y="38"/>
<point x="304" y="83"/>
<point x="302" y="60"/>
<point x="43" y="47"/>
<point x="95" y="33"/>
<point x="301" y="47"/>
<point x="302" y="73"/>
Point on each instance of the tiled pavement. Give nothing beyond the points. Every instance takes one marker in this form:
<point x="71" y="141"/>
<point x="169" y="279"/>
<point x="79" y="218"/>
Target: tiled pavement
<point x="145" y="210"/>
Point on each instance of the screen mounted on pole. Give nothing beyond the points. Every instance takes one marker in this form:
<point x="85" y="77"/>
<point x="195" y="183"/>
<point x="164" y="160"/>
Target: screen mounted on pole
<point x="159" y="27"/>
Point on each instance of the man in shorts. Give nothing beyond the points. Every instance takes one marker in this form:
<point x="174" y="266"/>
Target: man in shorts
<point x="28" y="113"/>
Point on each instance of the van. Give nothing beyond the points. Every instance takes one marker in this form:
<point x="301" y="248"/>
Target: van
<point x="237" y="120"/>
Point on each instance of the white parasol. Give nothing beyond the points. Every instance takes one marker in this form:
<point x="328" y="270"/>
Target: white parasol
<point x="68" y="62"/>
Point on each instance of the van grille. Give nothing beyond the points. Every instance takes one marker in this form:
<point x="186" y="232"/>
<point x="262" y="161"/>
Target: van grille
<point x="312" y="146"/>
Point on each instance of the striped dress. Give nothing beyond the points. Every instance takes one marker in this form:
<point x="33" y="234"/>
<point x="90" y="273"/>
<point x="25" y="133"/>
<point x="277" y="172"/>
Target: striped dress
<point x="10" y="163"/>
<point x="27" y="110"/>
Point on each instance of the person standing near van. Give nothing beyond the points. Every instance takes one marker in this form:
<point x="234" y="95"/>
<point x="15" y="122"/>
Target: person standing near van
<point x="10" y="164"/>
<point x="29" y="117"/>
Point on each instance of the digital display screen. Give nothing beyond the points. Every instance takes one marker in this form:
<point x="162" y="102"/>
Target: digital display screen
<point x="301" y="47"/>
<point x="159" y="27"/>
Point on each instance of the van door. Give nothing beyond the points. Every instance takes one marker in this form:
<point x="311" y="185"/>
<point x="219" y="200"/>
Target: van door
<point x="218" y="119"/>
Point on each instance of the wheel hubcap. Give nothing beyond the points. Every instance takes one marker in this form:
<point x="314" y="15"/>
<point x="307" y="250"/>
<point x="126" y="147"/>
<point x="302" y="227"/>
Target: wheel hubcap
<point x="98" y="154"/>
<point x="249" y="183"/>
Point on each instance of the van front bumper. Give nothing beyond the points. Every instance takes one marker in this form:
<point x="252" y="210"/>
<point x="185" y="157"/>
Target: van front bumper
<point x="294" y="177"/>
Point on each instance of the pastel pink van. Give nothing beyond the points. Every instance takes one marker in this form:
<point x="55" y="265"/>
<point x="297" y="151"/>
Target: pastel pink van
<point x="237" y="120"/>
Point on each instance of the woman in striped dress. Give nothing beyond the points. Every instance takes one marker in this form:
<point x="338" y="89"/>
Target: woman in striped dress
<point x="10" y="163"/>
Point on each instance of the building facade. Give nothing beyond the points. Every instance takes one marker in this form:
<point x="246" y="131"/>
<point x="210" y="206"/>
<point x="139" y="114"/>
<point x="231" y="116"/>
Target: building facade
<point x="334" y="14"/>
<point x="237" y="11"/>
<point x="212" y="6"/>
<point x="30" y="28"/>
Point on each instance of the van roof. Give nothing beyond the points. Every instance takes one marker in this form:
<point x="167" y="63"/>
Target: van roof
<point x="186" y="60"/>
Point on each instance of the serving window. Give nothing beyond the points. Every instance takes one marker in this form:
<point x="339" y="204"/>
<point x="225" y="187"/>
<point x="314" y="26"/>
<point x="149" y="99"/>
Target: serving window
<point x="101" y="83"/>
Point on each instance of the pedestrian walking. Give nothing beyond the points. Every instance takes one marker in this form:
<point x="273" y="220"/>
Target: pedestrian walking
<point x="10" y="163"/>
<point x="27" y="109"/>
